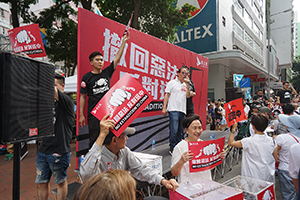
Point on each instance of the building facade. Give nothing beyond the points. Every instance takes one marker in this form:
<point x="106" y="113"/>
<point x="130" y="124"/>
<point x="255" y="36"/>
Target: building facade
<point x="234" y="34"/>
<point x="5" y="25"/>
<point x="296" y="39"/>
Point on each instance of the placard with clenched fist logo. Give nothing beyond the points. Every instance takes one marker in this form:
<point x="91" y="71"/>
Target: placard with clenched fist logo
<point x="206" y="154"/>
<point x="124" y="101"/>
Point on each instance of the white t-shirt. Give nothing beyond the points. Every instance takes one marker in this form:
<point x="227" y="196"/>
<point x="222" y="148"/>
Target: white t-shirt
<point x="285" y="141"/>
<point x="177" y="98"/>
<point x="257" y="158"/>
<point x="294" y="159"/>
<point x="185" y="174"/>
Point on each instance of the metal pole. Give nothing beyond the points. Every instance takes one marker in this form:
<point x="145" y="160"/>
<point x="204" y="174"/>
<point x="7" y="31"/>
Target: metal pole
<point x="268" y="56"/>
<point x="16" y="171"/>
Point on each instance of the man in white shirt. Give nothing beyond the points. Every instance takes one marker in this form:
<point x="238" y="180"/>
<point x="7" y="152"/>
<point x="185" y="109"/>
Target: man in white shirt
<point x="176" y="92"/>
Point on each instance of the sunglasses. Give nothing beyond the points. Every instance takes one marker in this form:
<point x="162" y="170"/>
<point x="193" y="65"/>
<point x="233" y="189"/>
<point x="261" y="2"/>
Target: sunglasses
<point x="183" y="73"/>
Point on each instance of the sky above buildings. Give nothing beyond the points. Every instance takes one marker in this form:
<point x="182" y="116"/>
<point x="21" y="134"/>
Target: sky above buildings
<point x="297" y="9"/>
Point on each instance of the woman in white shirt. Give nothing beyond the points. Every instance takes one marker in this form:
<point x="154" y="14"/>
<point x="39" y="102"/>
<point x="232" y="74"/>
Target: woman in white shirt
<point x="181" y="155"/>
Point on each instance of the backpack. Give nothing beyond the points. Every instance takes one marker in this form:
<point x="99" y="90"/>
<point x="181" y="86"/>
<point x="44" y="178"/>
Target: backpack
<point x="243" y="130"/>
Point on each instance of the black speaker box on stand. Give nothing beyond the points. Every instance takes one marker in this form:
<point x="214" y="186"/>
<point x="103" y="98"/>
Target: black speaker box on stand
<point x="27" y="98"/>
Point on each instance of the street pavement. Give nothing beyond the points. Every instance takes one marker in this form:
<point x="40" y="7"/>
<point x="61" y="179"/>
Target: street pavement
<point x="163" y="150"/>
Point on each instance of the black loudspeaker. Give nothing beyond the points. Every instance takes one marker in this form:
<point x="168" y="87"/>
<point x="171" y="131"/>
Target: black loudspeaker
<point x="27" y="98"/>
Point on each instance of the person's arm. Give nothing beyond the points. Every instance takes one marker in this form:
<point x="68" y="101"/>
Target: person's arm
<point x="188" y="91"/>
<point x="185" y="157"/>
<point x="120" y="51"/>
<point x="170" y="184"/>
<point x="278" y="99"/>
<point x="166" y="99"/>
<point x="293" y="89"/>
<point x="275" y="153"/>
<point x="90" y="165"/>
<point x="296" y="185"/>
<point x="231" y="141"/>
<point x="81" y="109"/>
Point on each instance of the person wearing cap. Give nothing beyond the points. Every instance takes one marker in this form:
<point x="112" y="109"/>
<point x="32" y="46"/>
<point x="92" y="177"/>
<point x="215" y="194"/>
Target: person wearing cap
<point x="293" y="124"/>
<point x="281" y="154"/>
<point x="110" y="152"/>
<point x="257" y="158"/>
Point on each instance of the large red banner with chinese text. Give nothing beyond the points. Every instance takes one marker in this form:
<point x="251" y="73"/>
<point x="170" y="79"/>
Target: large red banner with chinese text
<point x="124" y="101"/>
<point x="206" y="154"/>
<point x="234" y="110"/>
<point x="151" y="61"/>
<point x="27" y="39"/>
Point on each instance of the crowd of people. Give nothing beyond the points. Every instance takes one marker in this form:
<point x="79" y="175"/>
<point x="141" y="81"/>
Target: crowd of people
<point x="109" y="168"/>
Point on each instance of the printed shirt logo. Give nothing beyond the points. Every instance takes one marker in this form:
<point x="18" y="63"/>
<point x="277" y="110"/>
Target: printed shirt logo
<point x="83" y="84"/>
<point x="100" y="86"/>
<point x="199" y="4"/>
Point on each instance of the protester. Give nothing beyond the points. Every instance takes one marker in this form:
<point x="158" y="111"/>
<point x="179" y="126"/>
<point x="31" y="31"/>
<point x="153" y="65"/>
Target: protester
<point x="95" y="84"/>
<point x="181" y="155"/>
<point x="218" y="114"/>
<point x="281" y="154"/>
<point x="260" y="97"/>
<point x="113" y="185"/>
<point x="257" y="158"/>
<point x="284" y="94"/>
<point x="189" y="101"/>
<point x="110" y="152"/>
<point x="268" y="113"/>
<point x="212" y="116"/>
<point x="176" y="92"/>
<point x="293" y="124"/>
<point x="54" y="154"/>
<point x="288" y="109"/>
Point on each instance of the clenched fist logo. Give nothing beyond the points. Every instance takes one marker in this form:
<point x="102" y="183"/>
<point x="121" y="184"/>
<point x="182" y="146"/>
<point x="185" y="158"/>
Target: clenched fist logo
<point x="22" y="37"/>
<point x="119" y="96"/>
<point x="210" y="149"/>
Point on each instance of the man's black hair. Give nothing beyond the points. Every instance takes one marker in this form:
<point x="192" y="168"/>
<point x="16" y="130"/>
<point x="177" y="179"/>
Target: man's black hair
<point x="259" y="90"/>
<point x="260" y="122"/>
<point x="94" y="54"/>
<point x="284" y="82"/>
<point x="60" y="78"/>
<point x="108" y="138"/>
<point x="183" y="67"/>
<point x="288" y="108"/>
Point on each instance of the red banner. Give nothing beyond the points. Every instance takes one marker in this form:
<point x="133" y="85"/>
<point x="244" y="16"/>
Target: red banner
<point x="234" y="110"/>
<point x="252" y="76"/>
<point x="151" y="61"/>
<point x="124" y="101"/>
<point x="206" y="154"/>
<point x="27" y="39"/>
<point x="259" y="80"/>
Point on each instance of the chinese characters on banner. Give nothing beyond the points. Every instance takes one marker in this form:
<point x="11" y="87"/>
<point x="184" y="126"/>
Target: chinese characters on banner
<point x="151" y="61"/>
<point x="124" y="101"/>
<point x="27" y="39"/>
<point x="206" y="154"/>
<point x="234" y="110"/>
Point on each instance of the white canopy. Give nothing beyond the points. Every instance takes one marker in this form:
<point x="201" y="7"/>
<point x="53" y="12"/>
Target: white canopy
<point x="71" y="84"/>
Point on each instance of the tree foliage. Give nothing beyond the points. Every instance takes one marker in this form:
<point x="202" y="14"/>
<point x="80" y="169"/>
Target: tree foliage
<point x="296" y="77"/>
<point x="156" y="17"/>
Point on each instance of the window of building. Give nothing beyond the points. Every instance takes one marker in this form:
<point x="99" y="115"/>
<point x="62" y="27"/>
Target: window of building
<point x="238" y="29"/>
<point x="250" y="2"/>
<point x="261" y="35"/>
<point x="248" y="19"/>
<point x="256" y="47"/>
<point x="256" y="29"/>
<point x="3" y="30"/>
<point x="248" y="39"/>
<point x="256" y="11"/>
<point x="2" y="12"/>
<point x="238" y="7"/>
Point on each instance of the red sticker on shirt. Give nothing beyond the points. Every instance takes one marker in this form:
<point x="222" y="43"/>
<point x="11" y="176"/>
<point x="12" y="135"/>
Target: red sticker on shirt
<point x="83" y="84"/>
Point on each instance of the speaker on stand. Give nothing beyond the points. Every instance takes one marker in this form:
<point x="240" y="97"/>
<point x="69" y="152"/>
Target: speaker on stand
<point x="26" y="104"/>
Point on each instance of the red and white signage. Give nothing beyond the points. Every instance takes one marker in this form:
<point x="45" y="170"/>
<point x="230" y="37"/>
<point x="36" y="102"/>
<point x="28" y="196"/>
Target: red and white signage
<point x="151" y="61"/>
<point x="27" y="39"/>
<point x="33" y="132"/>
<point x="206" y="154"/>
<point x="124" y="101"/>
<point x="234" y="110"/>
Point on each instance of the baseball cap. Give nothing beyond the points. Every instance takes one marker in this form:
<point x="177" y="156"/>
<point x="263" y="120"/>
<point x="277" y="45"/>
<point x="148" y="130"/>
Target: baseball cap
<point x="267" y="110"/>
<point x="110" y="135"/>
<point x="292" y="122"/>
